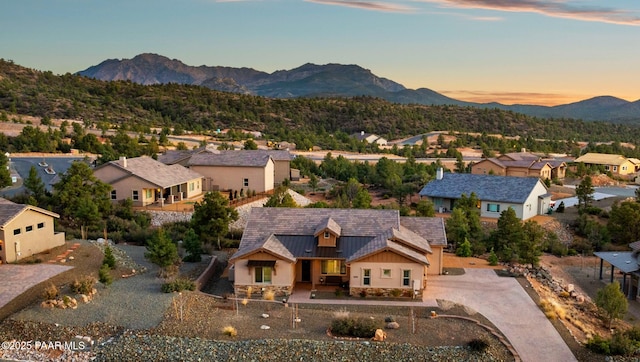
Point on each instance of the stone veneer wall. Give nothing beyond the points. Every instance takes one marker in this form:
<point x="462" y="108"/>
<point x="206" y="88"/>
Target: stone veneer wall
<point x="256" y="293"/>
<point x="384" y="292"/>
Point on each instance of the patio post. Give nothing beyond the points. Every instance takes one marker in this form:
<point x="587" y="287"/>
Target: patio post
<point x="601" y="265"/>
<point x="612" y="273"/>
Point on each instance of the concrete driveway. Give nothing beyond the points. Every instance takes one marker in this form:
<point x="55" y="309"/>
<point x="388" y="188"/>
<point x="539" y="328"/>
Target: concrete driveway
<point x="18" y="278"/>
<point x="503" y="301"/>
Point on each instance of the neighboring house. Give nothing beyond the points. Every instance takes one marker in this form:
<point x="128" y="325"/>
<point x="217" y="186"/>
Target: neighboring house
<point x="375" y="251"/>
<point x="146" y="181"/>
<point x="616" y="164"/>
<point x="521" y="164"/>
<point x="235" y="170"/>
<point x="370" y="138"/>
<point x="281" y="159"/>
<point x="528" y="196"/>
<point x="26" y="230"/>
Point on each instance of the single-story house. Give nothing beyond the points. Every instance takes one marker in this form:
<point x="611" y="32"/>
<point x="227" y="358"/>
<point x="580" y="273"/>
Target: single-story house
<point x="26" y="230"/>
<point x="147" y="181"/>
<point x="629" y="266"/>
<point x="528" y="196"/>
<point x="281" y="160"/>
<point x="521" y="164"/>
<point x="368" y="251"/>
<point x="616" y="164"/>
<point x="235" y="170"/>
<point x="370" y="138"/>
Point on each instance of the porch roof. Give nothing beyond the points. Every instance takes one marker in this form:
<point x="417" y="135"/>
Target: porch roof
<point x="626" y="261"/>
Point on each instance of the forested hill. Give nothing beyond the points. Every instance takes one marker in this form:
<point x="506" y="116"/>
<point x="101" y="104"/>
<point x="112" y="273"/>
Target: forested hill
<point x="132" y="106"/>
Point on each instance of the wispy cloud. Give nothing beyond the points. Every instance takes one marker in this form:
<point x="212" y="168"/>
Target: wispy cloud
<point x="368" y="5"/>
<point x="546" y="99"/>
<point x="553" y="8"/>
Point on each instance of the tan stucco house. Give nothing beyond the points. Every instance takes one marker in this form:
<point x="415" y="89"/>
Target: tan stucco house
<point x="616" y="164"/>
<point x="370" y="138"/>
<point x="521" y="164"/>
<point x="26" y="230"/>
<point x="146" y="181"/>
<point x="235" y="170"/>
<point x="527" y="196"/>
<point x="375" y="252"/>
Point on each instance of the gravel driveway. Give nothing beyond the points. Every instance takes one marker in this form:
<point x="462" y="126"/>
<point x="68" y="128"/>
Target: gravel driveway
<point x="18" y="278"/>
<point x="503" y="301"/>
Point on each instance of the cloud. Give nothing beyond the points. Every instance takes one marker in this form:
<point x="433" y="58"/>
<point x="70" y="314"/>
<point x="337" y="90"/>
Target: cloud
<point x="368" y="5"/>
<point x="509" y="98"/>
<point x="557" y="8"/>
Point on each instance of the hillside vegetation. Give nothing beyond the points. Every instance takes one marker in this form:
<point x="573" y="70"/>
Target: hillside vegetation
<point x="137" y="107"/>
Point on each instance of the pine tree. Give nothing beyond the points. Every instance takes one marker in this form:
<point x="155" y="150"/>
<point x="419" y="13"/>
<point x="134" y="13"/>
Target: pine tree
<point x="109" y="260"/>
<point x="612" y="302"/>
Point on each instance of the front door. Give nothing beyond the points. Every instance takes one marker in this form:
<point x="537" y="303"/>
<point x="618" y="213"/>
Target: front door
<point x="306" y="271"/>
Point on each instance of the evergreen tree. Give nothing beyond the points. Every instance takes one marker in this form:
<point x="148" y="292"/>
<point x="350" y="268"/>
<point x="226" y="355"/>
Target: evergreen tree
<point x="281" y="198"/>
<point x="425" y="208"/>
<point x="33" y="183"/>
<point x="508" y="235"/>
<point x="585" y="192"/>
<point x="612" y="302"/>
<point x="211" y="217"/>
<point x="5" y="175"/>
<point x="162" y="251"/>
<point x="193" y="246"/>
<point x="109" y="260"/>
<point x="464" y="249"/>
<point x="250" y="145"/>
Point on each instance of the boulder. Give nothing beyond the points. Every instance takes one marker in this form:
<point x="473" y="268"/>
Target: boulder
<point x="380" y="335"/>
<point x="265" y="315"/>
<point x="393" y="325"/>
<point x="265" y="327"/>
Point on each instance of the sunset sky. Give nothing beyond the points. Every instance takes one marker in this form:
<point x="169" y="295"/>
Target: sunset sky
<point x="509" y="51"/>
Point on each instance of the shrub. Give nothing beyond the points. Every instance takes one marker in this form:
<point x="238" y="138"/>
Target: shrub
<point x="50" y="292"/>
<point x="178" y="285"/>
<point x="622" y="345"/>
<point x="363" y="293"/>
<point x="396" y="292"/>
<point x="104" y="275"/>
<point x="269" y="295"/>
<point x="339" y="292"/>
<point x="493" y="258"/>
<point x="83" y="286"/>
<point x="342" y="313"/>
<point x="478" y="345"/>
<point x="355" y="327"/>
<point x="560" y="207"/>
<point x="109" y="260"/>
<point x="229" y="331"/>
<point x="389" y="319"/>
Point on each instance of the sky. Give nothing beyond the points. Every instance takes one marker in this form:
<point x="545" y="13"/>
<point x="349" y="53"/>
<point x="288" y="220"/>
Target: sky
<point x="545" y="52"/>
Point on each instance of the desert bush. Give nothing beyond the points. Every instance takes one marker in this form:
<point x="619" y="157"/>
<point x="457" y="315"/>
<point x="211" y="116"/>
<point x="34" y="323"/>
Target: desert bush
<point x="230" y="331"/>
<point x="355" y="327"/>
<point x="478" y="345"/>
<point x="104" y="275"/>
<point x="342" y="313"/>
<point x="249" y="292"/>
<point x="84" y="285"/>
<point x="363" y="293"/>
<point x="178" y="285"/>
<point x="269" y="295"/>
<point x="622" y="345"/>
<point x="339" y="292"/>
<point x="389" y="319"/>
<point x="560" y="207"/>
<point x="396" y="292"/>
<point x="50" y="292"/>
<point x="552" y="309"/>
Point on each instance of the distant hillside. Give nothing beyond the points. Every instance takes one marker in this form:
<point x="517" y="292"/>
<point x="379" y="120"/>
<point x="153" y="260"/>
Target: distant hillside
<point x="334" y="80"/>
<point x="306" y="121"/>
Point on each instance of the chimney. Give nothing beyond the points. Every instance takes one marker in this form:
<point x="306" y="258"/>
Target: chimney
<point x="439" y="173"/>
<point x="124" y="161"/>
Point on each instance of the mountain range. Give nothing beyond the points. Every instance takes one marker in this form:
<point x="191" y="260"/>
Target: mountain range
<point x="331" y="80"/>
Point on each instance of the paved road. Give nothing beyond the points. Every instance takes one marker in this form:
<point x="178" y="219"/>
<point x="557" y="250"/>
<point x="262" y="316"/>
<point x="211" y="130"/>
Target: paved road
<point x="18" y="278"/>
<point x="503" y="301"/>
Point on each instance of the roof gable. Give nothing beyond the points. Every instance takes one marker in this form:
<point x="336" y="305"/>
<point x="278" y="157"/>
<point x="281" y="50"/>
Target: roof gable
<point x="487" y="187"/>
<point x="153" y="171"/>
<point x="244" y="158"/>
<point x="9" y="211"/>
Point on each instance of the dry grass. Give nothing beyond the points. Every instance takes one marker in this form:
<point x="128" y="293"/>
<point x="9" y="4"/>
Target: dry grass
<point x="342" y="313"/>
<point x="552" y="309"/>
<point x="230" y="331"/>
<point x="269" y="295"/>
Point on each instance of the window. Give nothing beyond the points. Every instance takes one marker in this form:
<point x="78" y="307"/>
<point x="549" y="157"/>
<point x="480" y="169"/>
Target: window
<point x="615" y="168"/>
<point x="40" y="225"/>
<point x="16" y="231"/>
<point x="406" y="278"/>
<point x="113" y="195"/>
<point x="245" y="182"/>
<point x="149" y="193"/>
<point x="366" y="277"/>
<point x="29" y="228"/>
<point x="134" y="195"/>
<point x="192" y="186"/>
<point x="624" y="168"/>
<point x="493" y="207"/>
<point x="326" y="235"/>
<point x="263" y="274"/>
<point x="333" y="267"/>
<point x="606" y="167"/>
<point x="386" y="273"/>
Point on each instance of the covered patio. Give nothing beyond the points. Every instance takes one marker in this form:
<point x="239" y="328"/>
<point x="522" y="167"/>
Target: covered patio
<point x="627" y="263"/>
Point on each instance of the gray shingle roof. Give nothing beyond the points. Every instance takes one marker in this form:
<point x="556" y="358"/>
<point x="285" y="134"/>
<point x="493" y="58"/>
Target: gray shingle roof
<point x="486" y="187"/>
<point x="155" y="172"/>
<point x="431" y="228"/>
<point x="360" y="230"/>
<point x="328" y="224"/>
<point x="245" y="158"/>
<point x="9" y="210"/>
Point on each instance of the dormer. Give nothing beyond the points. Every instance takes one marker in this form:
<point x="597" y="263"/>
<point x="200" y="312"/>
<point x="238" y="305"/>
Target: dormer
<point x="327" y="232"/>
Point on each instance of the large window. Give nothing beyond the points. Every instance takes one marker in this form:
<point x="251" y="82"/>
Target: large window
<point x="406" y="278"/>
<point x="366" y="276"/>
<point x="263" y="274"/>
<point x="493" y="207"/>
<point x="333" y="267"/>
<point x="149" y="193"/>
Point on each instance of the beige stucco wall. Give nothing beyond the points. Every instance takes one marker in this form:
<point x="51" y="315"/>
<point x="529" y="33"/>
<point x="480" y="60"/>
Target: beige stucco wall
<point x="282" y="171"/>
<point x="396" y="264"/>
<point x="435" y="260"/>
<point x="29" y="242"/>
<point x="231" y="178"/>
<point x="282" y="276"/>
<point x="486" y="168"/>
<point x="108" y="173"/>
<point x="626" y="168"/>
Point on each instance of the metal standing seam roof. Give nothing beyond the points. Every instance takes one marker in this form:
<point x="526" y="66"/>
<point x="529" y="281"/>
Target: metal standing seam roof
<point x="154" y="171"/>
<point x="10" y="210"/>
<point x="487" y="187"/>
<point x="626" y="261"/>
<point x="358" y="226"/>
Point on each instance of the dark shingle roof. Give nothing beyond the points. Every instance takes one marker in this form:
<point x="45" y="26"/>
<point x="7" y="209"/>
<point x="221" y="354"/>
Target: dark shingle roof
<point x="431" y="228"/>
<point x="295" y="228"/>
<point x="246" y="158"/>
<point x="486" y="187"/>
